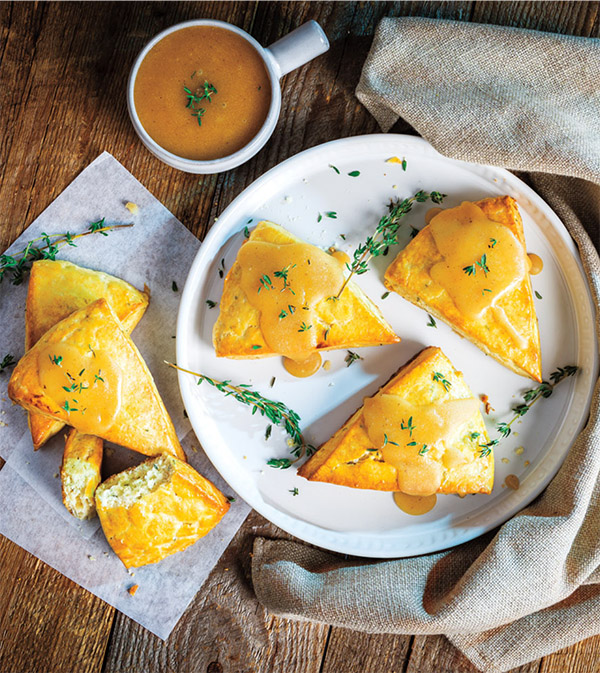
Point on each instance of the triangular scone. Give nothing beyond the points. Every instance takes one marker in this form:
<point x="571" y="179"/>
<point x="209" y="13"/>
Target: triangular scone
<point x="350" y="322"/>
<point x="409" y="276"/>
<point x="56" y="289"/>
<point x="86" y="372"/>
<point x="348" y="458"/>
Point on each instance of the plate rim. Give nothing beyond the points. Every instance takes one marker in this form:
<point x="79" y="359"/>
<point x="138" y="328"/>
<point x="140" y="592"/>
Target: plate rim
<point x="310" y="532"/>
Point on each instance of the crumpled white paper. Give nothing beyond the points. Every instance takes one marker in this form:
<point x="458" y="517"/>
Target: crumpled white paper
<point x="157" y="251"/>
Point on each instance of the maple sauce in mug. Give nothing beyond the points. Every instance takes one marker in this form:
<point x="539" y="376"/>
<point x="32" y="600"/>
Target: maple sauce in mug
<point x="202" y="92"/>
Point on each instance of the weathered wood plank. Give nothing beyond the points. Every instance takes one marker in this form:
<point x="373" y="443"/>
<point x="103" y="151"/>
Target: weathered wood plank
<point x="436" y="653"/>
<point x="47" y="622"/>
<point x="582" y="657"/>
<point x="224" y="628"/>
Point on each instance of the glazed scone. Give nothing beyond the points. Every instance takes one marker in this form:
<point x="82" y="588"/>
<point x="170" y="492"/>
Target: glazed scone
<point x="350" y="322"/>
<point x="155" y="509"/>
<point x="507" y="329"/>
<point x="56" y="289"/>
<point x="461" y="462"/>
<point x="80" y="473"/>
<point x="86" y="372"/>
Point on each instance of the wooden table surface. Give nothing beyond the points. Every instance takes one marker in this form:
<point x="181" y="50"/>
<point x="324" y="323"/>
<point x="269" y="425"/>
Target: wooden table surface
<point x="63" y="70"/>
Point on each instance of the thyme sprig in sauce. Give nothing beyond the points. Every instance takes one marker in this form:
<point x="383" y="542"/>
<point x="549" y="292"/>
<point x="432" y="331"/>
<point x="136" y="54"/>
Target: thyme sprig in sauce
<point x="277" y="412"/>
<point x="386" y="233"/>
<point x="194" y="99"/>
<point x="20" y="263"/>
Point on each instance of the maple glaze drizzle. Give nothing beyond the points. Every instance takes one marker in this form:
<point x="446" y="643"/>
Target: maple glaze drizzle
<point x="416" y="505"/>
<point x="405" y="434"/>
<point x="84" y="382"/>
<point x="536" y="264"/>
<point x="467" y="239"/>
<point x="285" y="283"/>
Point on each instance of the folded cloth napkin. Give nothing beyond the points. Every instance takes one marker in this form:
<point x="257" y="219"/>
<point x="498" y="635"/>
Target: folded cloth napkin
<point x="523" y="100"/>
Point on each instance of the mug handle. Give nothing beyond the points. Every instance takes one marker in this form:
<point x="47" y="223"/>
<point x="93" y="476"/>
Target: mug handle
<point x="298" y="47"/>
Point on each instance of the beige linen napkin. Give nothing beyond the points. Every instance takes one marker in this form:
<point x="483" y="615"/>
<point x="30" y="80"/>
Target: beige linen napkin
<point x="528" y="101"/>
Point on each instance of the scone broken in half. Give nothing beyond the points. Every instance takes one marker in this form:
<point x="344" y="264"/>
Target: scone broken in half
<point x="56" y="289"/>
<point x="86" y="372"/>
<point x="469" y="267"/>
<point x="157" y="508"/>
<point x="280" y="298"/>
<point x="80" y="473"/>
<point x="421" y="433"/>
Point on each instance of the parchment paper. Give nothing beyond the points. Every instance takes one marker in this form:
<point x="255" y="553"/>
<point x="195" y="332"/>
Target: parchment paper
<point x="158" y="252"/>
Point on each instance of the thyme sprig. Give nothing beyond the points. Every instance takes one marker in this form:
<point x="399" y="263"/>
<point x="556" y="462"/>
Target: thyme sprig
<point x="7" y="361"/>
<point x="277" y="412"/>
<point x="530" y="397"/>
<point x="194" y="99"/>
<point x="20" y="263"/>
<point x="386" y="233"/>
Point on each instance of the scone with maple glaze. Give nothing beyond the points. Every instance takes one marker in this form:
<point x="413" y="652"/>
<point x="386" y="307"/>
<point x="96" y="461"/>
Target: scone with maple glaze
<point x="87" y="372"/>
<point x="56" y="289"/>
<point x="157" y="508"/>
<point x="421" y="433"/>
<point x="469" y="267"/>
<point x="281" y="298"/>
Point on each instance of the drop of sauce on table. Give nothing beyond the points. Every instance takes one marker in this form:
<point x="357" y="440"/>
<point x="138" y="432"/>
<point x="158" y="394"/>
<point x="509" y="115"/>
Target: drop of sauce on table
<point x="303" y="368"/>
<point x="84" y="382"/>
<point x="415" y="505"/>
<point x="536" y="264"/>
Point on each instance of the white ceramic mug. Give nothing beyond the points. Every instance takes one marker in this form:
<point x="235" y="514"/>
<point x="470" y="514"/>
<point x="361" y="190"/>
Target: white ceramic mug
<point x="290" y="52"/>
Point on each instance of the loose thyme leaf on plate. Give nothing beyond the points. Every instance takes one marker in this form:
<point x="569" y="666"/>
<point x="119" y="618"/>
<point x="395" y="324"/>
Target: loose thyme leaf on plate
<point x="351" y="358"/>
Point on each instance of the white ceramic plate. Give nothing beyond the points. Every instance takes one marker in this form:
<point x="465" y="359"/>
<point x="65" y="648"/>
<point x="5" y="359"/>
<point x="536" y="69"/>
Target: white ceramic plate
<point x="361" y="522"/>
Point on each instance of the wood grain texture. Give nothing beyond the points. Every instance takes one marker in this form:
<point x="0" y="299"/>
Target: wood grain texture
<point x="63" y="71"/>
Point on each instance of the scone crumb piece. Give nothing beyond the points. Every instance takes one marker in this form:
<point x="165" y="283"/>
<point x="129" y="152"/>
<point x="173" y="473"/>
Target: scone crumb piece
<point x="132" y="589"/>
<point x="133" y="208"/>
<point x="505" y="460"/>
<point x="92" y="558"/>
<point x="519" y="450"/>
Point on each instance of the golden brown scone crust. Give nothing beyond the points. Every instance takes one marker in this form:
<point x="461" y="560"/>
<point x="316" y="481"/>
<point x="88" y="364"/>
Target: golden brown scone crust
<point x="56" y="289"/>
<point x="80" y="473"/>
<point x="345" y="459"/>
<point x="182" y="509"/>
<point x="142" y="422"/>
<point x="409" y="276"/>
<point x="351" y="322"/>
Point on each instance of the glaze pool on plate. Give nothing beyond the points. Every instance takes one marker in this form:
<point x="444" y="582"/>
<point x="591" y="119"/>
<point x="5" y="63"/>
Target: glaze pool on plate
<point x="368" y="523"/>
